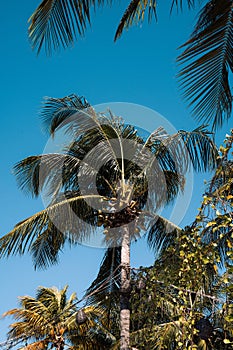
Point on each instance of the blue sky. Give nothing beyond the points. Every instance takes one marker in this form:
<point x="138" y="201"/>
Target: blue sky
<point x="140" y="68"/>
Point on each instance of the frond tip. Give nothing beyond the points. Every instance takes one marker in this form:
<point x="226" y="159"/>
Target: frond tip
<point x="135" y="14"/>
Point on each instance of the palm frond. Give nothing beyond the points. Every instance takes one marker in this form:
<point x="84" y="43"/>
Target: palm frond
<point x="60" y="220"/>
<point x="45" y="248"/>
<point x="56" y="111"/>
<point x="207" y="60"/>
<point x="184" y="149"/>
<point x="201" y="148"/>
<point x="194" y="148"/>
<point x="49" y="171"/>
<point x="55" y="23"/>
<point x="37" y="321"/>
<point x="135" y="14"/>
<point x="55" y="299"/>
<point x="161" y="233"/>
<point x="107" y="281"/>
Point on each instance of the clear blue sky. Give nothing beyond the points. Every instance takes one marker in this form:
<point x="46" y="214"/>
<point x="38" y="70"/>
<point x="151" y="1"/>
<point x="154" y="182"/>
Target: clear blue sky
<point x="140" y="68"/>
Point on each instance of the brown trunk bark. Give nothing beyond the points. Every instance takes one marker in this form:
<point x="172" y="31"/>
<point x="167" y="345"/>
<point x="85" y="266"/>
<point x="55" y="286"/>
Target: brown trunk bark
<point x="125" y="291"/>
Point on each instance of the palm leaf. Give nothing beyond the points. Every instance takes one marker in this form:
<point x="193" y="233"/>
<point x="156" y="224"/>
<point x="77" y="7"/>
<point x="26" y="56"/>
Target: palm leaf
<point x="56" y="23"/>
<point x="184" y="149"/>
<point x="190" y="149"/>
<point x="108" y="278"/>
<point x="207" y="59"/>
<point x="202" y="152"/>
<point x="56" y="111"/>
<point x="35" y="317"/>
<point x="135" y="14"/>
<point x="32" y="234"/>
<point x="160" y="234"/>
<point x="47" y="171"/>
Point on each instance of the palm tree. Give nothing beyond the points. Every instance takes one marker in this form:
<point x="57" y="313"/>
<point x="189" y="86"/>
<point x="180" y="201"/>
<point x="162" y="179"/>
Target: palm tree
<point x="50" y="321"/>
<point x="109" y="177"/>
<point x="207" y="58"/>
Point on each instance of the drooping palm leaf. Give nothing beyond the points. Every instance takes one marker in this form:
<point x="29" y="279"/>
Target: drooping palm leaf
<point x="185" y="149"/>
<point x="107" y="281"/>
<point x="207" y="60"/>
<point x="56" y="22"/>
<point x="35" y="173"/>
<point x="201" y="150"/>
<point x="135" y="14"/>
<point x="57" y="111"/>
<point x="160" y="234"/>
<point x="104" y="290"/>
<point x="57" y="224"/>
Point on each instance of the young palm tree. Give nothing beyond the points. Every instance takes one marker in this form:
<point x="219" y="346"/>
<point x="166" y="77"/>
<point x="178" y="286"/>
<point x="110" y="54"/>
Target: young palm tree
<point x="109" y="177"/>
<point x="49" y="321"/>
<point x="207" y="58"/>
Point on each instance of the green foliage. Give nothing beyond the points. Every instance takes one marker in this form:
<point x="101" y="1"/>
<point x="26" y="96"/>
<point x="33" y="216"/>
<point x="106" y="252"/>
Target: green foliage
<point x="122" y="196"/>
<point x="185" y="300"/>
<point x="49" y="321"/>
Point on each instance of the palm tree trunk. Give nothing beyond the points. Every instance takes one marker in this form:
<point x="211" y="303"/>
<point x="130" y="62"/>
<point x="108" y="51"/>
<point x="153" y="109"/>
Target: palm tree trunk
<point x="125" y="290"/>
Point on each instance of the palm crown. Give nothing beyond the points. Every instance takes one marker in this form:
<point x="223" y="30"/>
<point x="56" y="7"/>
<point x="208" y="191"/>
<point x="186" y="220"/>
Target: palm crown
<point x="136" y="177"/>
<point x="49" y="321"/>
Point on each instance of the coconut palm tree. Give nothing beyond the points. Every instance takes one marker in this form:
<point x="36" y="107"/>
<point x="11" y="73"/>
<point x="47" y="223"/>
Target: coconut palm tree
<point x="109" y="176"/>
<point x="206" y="60"/>
<point x="50" y="321"/>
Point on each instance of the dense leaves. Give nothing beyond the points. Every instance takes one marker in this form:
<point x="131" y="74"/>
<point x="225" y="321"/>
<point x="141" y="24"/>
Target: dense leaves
<point x="49" y="321"/>
<point x="107" y="176"/>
